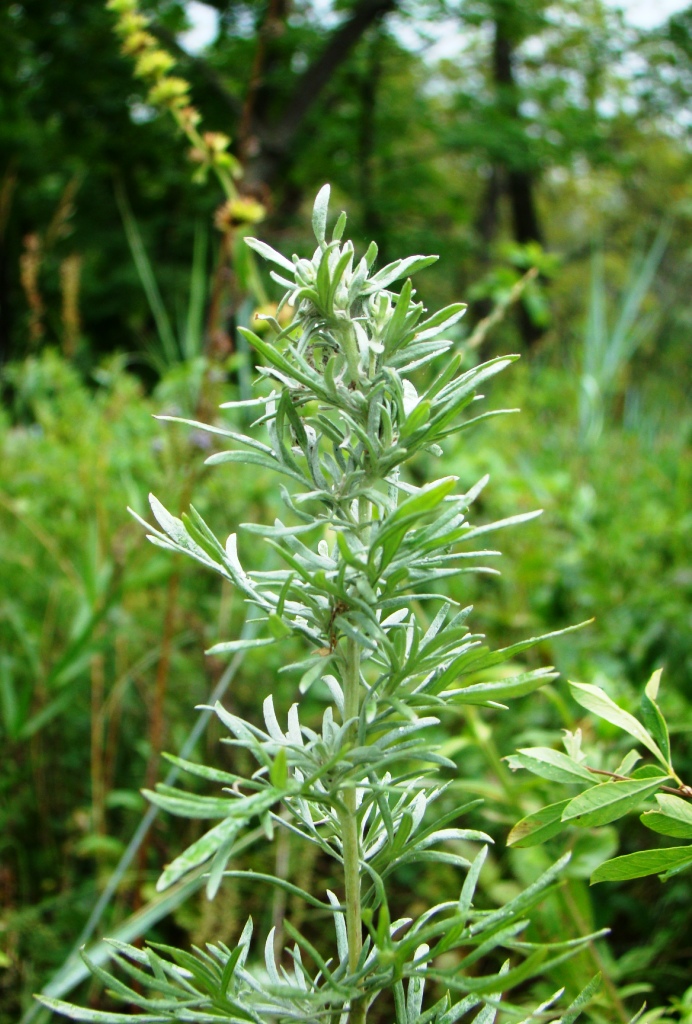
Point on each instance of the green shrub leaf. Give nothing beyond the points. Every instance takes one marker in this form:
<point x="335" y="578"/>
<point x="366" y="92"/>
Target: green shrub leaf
<point x="594" y="699"/>
<point x="608" y="802"/>
<point x="645" y="862"/>
<point x="538" y="827"/>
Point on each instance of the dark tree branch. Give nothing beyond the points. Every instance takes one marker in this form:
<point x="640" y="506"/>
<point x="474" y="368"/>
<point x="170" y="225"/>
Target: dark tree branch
<point x="267" y="56"/>
<point x="369" y="85"/>
<point x="313" y="80"/>
<point x="517" y="179"/>
<point x="274" y="138"/>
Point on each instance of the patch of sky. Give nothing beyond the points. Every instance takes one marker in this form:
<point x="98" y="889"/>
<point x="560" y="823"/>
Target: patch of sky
<point x="432" y="40"/>
<point x="650" y="13"/>
<point x="204" y="27"/>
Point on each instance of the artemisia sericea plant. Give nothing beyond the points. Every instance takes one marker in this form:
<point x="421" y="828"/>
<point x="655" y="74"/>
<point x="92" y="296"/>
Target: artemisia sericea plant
<point x="361" y="560"/>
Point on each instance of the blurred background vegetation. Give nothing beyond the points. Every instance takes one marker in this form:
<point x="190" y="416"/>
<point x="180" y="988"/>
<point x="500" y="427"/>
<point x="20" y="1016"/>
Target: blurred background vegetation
<point x="501" y="134"/>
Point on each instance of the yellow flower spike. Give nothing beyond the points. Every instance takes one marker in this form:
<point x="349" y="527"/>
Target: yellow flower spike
<point x="224" y="160"/>
<point x="122" y="6"/>
<point x="170" y="92"/>
<point x="200" y="175"/>
<point x="236" y="212"/>
<point x="136" y="43"/>
<point x="154" y="63"/>
<point x="216" y="142"/>
<point x="189" y="117"/>
<point x="128" y="24"/>
<point x="222" y="217"/>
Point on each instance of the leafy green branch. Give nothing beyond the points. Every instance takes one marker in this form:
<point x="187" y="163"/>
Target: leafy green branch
<point x="620" y="792"/>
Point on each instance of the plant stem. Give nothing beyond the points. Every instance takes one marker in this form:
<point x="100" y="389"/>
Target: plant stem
<point x="97" y="751"/>
<point x="349" y="833"/>
<point x="682" y="789"/>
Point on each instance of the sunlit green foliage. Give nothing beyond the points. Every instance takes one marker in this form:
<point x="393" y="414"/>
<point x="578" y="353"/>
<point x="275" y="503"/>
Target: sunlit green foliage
<point x="91" y="655"/>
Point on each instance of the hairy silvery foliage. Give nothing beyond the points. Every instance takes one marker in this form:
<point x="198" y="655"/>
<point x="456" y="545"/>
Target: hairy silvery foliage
<point x="364" y="551"/>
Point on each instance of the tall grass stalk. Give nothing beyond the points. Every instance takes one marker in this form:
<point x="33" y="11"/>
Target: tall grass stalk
<point x="607" y="349"/>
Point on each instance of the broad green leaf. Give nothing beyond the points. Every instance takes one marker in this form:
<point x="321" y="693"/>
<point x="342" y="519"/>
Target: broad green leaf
<point x="645" y="862"/>
<point x="649" y="771"/>
<point x="594" y="699"/>
<point x="675" y="807"/>
<point x="666" y="826"/>
<point x="552" y="764"/>
<point x="652" y="716"/>
<point x="608" y="802"/>
<point x="538" y="827"/>
<point x="674" y="817"/>
<point x="652" y="687"/>
<point x="628" y="762"/>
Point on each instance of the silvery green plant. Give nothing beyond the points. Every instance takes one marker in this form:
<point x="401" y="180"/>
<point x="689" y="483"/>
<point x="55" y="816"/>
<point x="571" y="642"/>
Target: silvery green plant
<point x="363" y="551"/>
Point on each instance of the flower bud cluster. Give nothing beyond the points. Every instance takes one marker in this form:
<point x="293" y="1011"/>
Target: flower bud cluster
<point x="209" y="151"/>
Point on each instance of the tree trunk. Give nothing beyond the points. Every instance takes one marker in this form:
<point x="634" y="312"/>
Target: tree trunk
<point x="373" y="226"/>
<point x="265" y="137"/>
<point x="518" y="178"/>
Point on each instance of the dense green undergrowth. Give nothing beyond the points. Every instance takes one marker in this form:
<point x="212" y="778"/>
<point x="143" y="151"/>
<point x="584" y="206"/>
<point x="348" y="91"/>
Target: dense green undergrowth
<point x="101" y="642"/>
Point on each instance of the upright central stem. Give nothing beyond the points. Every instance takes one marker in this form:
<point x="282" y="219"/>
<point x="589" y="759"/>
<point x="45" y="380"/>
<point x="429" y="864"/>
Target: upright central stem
<point x="350" y="834"/>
